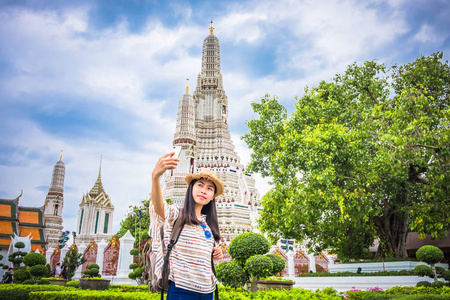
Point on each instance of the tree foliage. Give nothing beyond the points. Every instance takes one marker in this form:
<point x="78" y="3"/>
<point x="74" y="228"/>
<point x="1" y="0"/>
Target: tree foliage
<point x="362" y="157"/>
<point x="133" y="219"/>
<point x="73" y="260"/>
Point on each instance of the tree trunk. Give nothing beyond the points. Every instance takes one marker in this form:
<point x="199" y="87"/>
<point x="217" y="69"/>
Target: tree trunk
<point x="254" y="288"/>
<point x="393" y="227"/>
<point x="433" y="267"/>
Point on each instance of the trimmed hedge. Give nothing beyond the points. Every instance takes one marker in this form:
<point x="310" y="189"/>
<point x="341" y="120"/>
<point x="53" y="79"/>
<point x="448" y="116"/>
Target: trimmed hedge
<point x="91" y="294"/>
<point x="352" y="274"/>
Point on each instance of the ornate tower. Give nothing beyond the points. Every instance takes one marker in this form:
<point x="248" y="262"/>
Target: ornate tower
<point x="202" y="131"/>
<point x="54" y="203"/>
<point x="95" y="214"/>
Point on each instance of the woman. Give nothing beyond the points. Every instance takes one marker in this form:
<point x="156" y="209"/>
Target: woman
<point x="64" y="272"/>
<point x="190" y="274"/>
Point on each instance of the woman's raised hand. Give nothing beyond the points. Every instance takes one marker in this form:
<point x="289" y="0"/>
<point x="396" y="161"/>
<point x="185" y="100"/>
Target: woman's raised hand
<point x="166" y="162"/>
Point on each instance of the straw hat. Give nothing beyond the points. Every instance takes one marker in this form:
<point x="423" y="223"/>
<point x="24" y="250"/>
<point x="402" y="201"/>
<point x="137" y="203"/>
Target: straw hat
<point x="209" y="175"/>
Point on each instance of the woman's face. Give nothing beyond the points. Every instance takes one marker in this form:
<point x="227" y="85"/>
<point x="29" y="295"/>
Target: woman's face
<point x="203" y="191"/>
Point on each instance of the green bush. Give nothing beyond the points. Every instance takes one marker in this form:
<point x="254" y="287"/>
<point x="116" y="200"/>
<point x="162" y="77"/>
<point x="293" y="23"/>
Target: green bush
<point x="20" y="275"/>
<point x="33" y="259"/>
<point x="73" y="283"/>
<point x="246" y="245"/>
<point x="440" y="270"/>
<point x="19" y="245"/>
<point x="133" y="266"/>
<point x="29" y="281"/>
<point x="278" y="263"/>
<point x="38" y="271"/>
<point x="231" y="274"/>
<point x="92" y="271"/>
<point x="430" y="254"/>
<point x="446" y="275"/>
<point x="259" y="266"/>
<point x="138" y="272"/>
<point x="437" y="284"/>
<point x="92" y="266"/>
<point x="132" y="276"/>
<point x="134" y="251"/>
<point x="423" y="283"/>
<point x="422" y="270"/>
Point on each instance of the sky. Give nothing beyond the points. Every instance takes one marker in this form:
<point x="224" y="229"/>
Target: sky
<point x="103" y="78"/>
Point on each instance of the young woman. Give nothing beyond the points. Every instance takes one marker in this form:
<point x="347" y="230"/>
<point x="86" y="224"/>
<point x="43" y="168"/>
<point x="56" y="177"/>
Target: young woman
<point x="190" y="274"/>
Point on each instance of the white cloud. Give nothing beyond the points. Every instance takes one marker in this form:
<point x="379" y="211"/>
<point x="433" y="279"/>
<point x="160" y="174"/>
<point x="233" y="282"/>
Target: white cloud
<point x="427" y="34"/>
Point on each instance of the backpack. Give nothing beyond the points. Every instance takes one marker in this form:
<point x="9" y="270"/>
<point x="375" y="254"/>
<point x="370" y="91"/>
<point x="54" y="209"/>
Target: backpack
<point x="162" y="285"/>
<point x="53" y="272"/>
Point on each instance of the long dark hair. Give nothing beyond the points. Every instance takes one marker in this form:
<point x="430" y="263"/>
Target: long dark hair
<point x="189" y="217"/>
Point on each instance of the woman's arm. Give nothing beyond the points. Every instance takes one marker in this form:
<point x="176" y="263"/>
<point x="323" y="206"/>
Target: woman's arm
<point x="164" y="163"/>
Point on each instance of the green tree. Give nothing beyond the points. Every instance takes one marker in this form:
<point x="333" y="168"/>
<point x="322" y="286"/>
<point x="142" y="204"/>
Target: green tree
<point x="133" y="220"/>
<point x="247" y="250"/>
<point x="364" y="156"/>
<point x="17" y="256"/>
<point x="431" y="255"/>
<point x="73" y="260"/>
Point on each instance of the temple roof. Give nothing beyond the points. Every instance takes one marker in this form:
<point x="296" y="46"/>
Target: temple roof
<point x="22" y="221"/>
<point x="97" y="194"/>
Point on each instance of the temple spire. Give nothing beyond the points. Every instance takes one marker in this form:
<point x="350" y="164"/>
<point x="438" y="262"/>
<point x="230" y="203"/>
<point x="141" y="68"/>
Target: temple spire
<point x="187" y="86"/>
<point x="100" y="169"/>
<point x="211" y="28"/>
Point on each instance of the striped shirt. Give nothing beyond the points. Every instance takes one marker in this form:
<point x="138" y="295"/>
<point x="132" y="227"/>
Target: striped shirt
<point x="190" y="260"/>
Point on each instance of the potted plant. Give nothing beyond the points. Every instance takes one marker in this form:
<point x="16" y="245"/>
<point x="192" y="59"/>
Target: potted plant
<point x="92" y="280"/>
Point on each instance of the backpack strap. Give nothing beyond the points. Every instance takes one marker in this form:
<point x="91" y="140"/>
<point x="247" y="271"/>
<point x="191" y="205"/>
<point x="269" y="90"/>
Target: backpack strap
<point x="216" y="294"/>
<point x="176" y="231"/>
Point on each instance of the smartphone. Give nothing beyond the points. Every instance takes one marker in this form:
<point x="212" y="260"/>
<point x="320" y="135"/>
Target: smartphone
<point x="177" y="150"/>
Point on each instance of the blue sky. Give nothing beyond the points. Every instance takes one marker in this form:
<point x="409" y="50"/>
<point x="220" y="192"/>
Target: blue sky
<point x="104" y="78"/>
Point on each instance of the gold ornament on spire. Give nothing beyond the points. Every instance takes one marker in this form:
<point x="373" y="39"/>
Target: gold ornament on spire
<point x="60" y="156"/>
<point x="211" y="28"/>
<point x="187" y="86"/>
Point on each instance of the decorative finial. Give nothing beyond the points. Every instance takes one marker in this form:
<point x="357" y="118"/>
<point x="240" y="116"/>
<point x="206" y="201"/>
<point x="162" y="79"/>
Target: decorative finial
<point x="60" y="156"/>
<point x="187" y="86"/>
<point x="211" y="28"/>
<point x="100" y="169"/>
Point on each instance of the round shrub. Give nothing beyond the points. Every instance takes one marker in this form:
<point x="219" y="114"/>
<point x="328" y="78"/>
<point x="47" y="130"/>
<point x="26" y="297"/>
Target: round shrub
<point x="422" y="270"/>
<point x="134" y="251"/>
<point x="5" y="267"/>
<point x="437" y="284"/>
<point x="38" y="271"/>
<point x="440" y="270"/>
<point x="33" y="259"/>
<point x="278" y="263"/>
<point x="19" y="245"/>
<point x="20" y="275"/>
<point x="93" y="266"/>
<point x="423" y="283"/>
<point x="259" y="266"/>
<point x="18" y="260"/>
<point x="132" y="276"/>
<point x="246" y="245"/>
<point x="28" y="281"/>
<point x="138" y="272"/>
<point x="446" y="275"/>
<point x="430" y="254"/>
<point x="94" y="272"/>
<point x="133" y="266"/>
<point x="231" y="274"/>
<point x="73" y="283"/>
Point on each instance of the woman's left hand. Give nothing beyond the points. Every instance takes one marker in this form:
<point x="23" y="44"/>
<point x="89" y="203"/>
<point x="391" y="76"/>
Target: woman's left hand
<point x="217" y="253"/>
